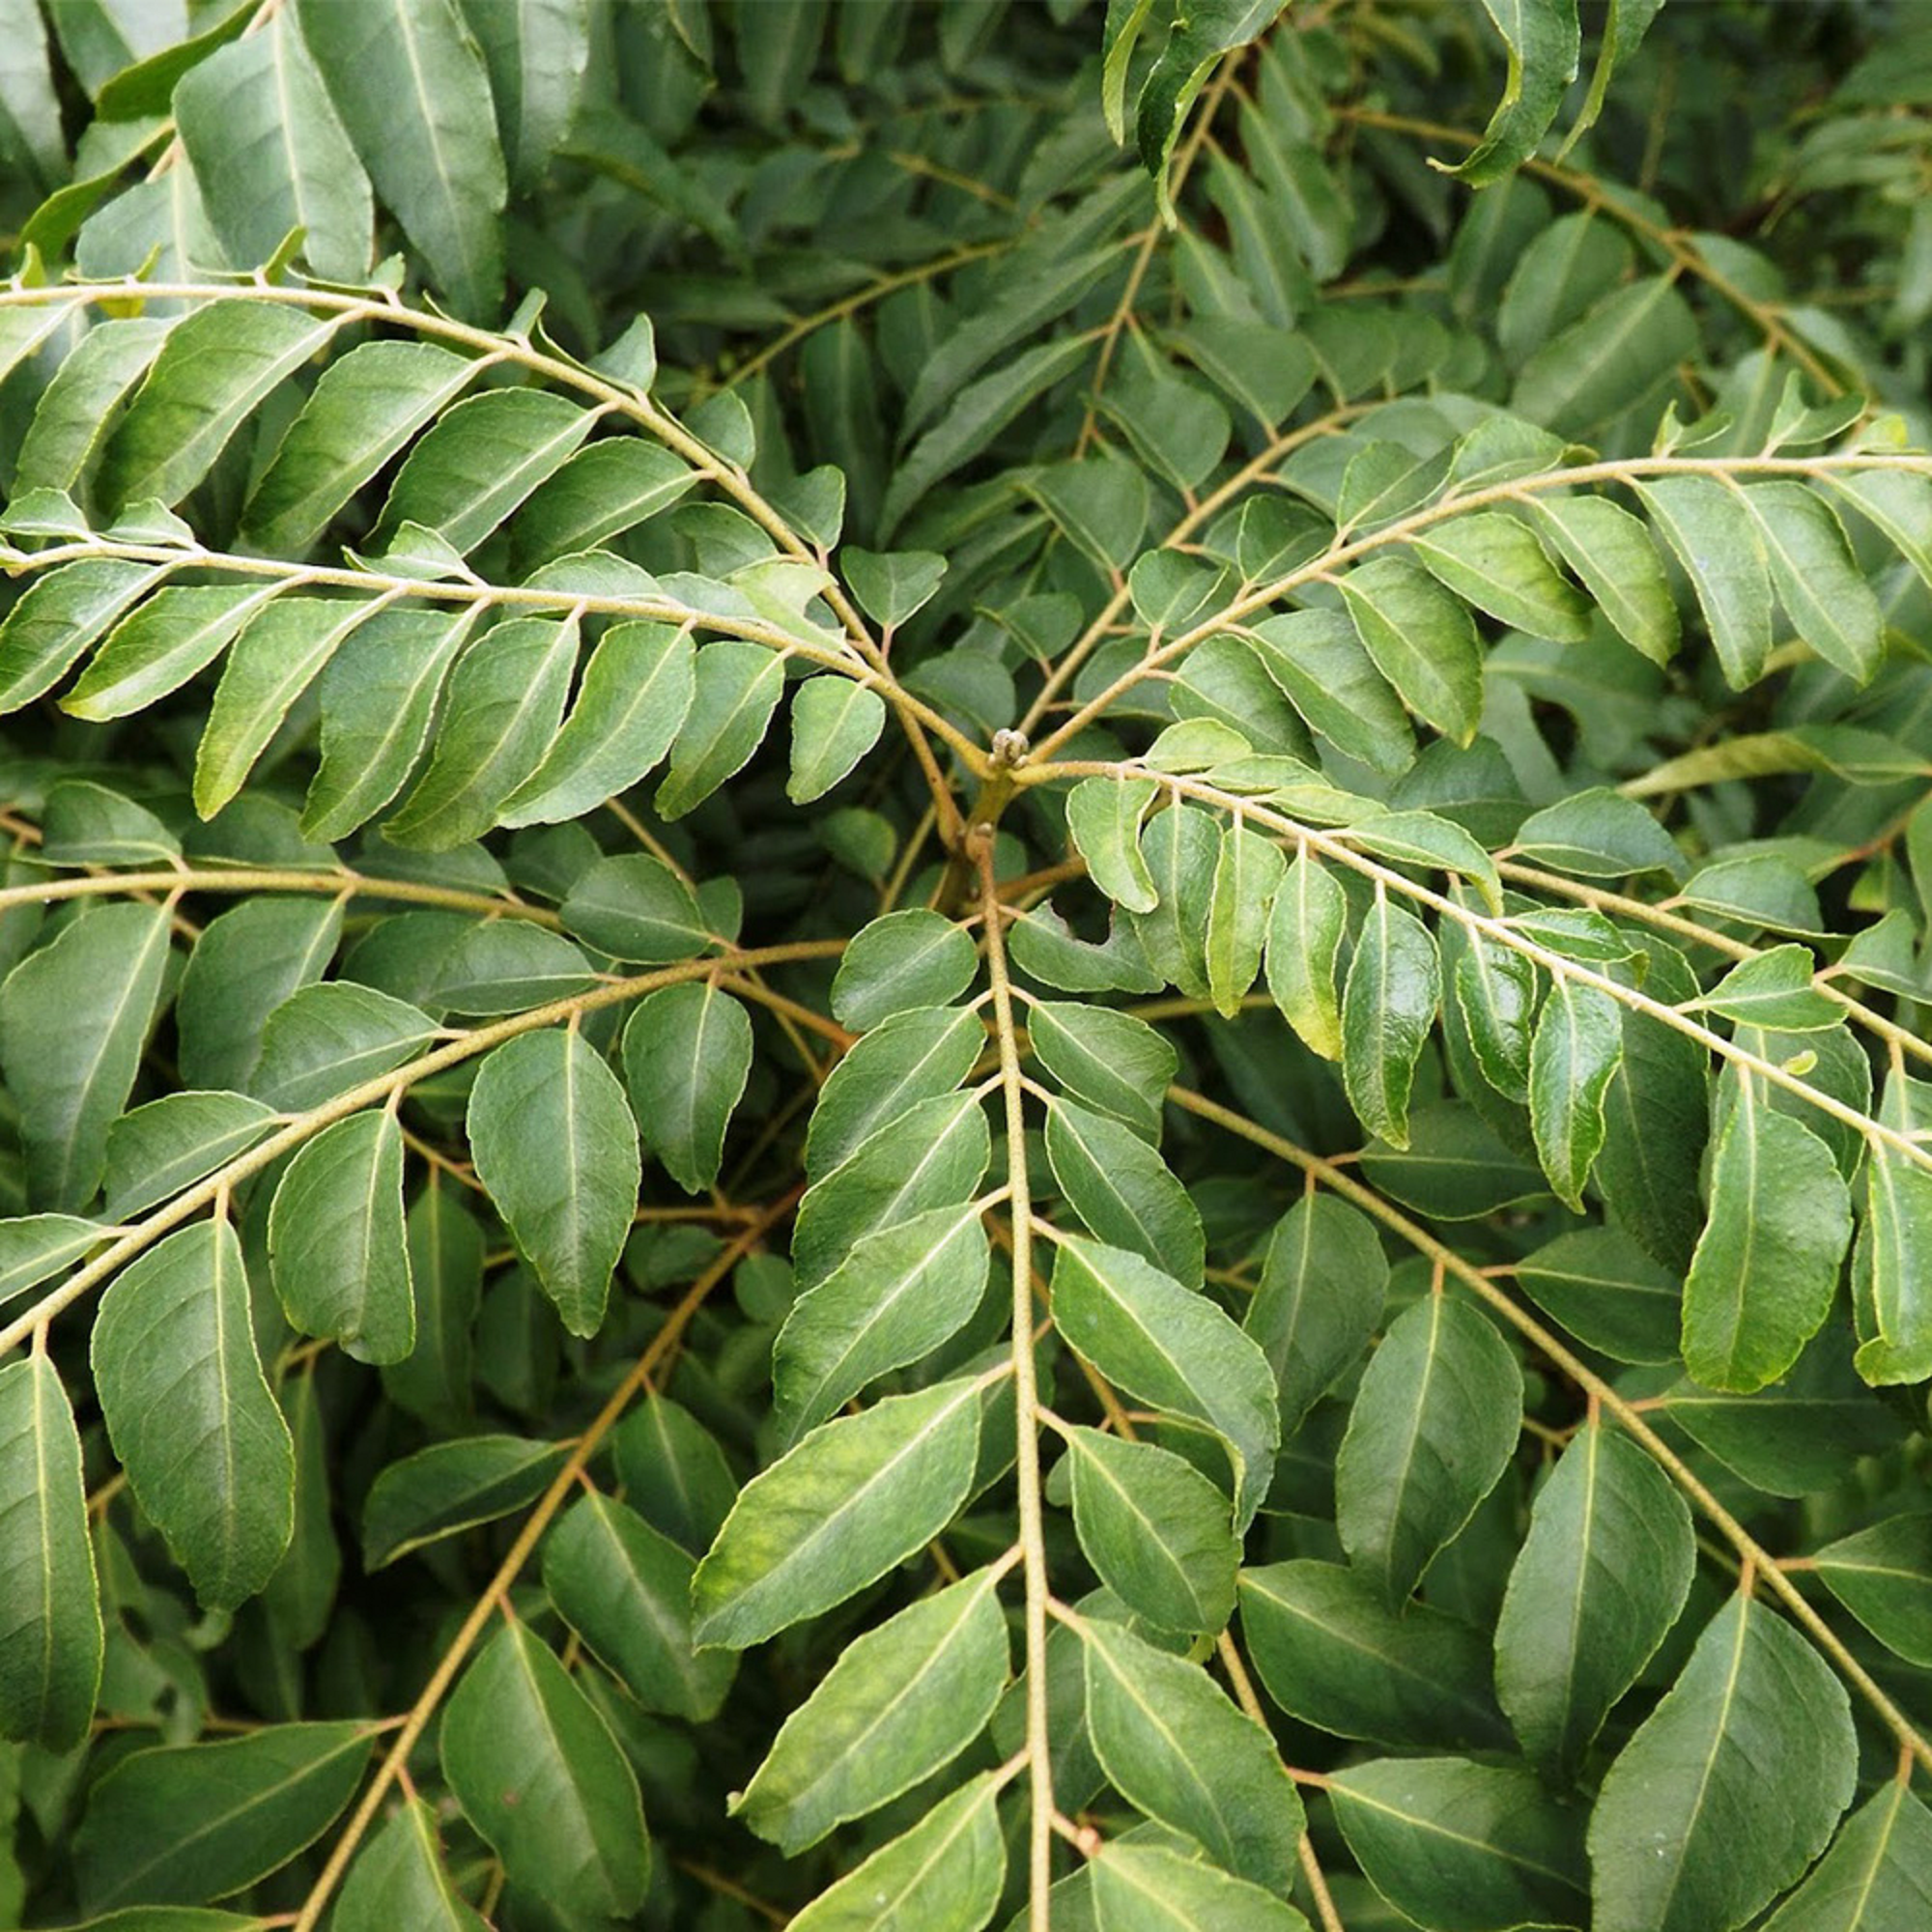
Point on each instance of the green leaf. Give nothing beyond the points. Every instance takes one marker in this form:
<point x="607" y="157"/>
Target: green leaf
<point x="1579" y="1041"/>
<point x="187" y="1823"/>
<point x="907" y="959"/>
<point x="35" y="1246"/>
<point x="85" y="824"/>
<point x="543" y="1780"/>
<point x="1762" y="1276"/>
<point x="635" y="907"/>
<point x="933" y="1156"/>
<point x="737" y="688"/>
<point x="1689" y="1834"/>
<point x="1246" y="876"/>
<point x="1322" y="1282"/>
<point x="1173" y="1349"/>
<point x="336" y="1246"/>
<point x="1195" y="44"/>
<point x="1113" y="1062"/>
<point x="1103" y="816"/>
<point x="687" y="1053"/>
<point x="856" y="1497"/>
<point x="217" y="366"/>
<point x="1394" y="985"/>
<point x="301" y="1595"/>
<point x="1182" y="847"/>
<point x="73" y="1020"/>
<point x="413" y="91"/>
<point x="625" y="1589"/>
<point x="1775" y="988"/>
<point x="1331" y="1650"/>
<point x="1601" y="1580"/>
<point x="1495" y="994"/>
<point x="1454" y="1167"/>
<point x="1608" y="1292"/>
<point x="172" y="636"/>
<point x="255" y="119"/>
<point x="892" y="588"/>
<point x="943" y="1875"/>
<point x="1493" y="561"/>
<point x="1877" y="1873"/>
<point x="1614" y="560"/>
<point x="1894" y="1246"/>
<point x="1717" y="541"/>
<point x="674" y="1474"/>
<point x="1597" y="834"/>
<point x="1880" y="1575"/>
<point x="445" y="1253"/>
<point x="49" y="1608"/>
<point x="605" y="488"/>
<point x="1123" y="1190"/>
<point x="1422" y="640"/>
<point x="1172" y="1743"/>
<point x="1305" y="931"/>
<point x="1434" y="1424"/>
<point x="1317" y="659"/>
<point x="501" y="712"/>
<point x="157" y="1149"/>
<point x="398" y="1879"/>
<point x="903" y="1701"/>
<point x="324" y="1040"/>
<point x="1542" y="42"/>
<point x="1615" y="358"/>
<point x="365" y="406"/>
<point x="835" y="722"/>
<point x="506" y="966"/>
<point x="204" y="1447"/>
<point x="555" y="1143"/>
<point x="1464" y="1847"/>
<point x="900" y="1292"/>
<point x="61" y="617"/>
<point x="917" y="1055"/>
<point x="1150" y="1888"/>
<point x="1154" y="1529"/>
<point x="78" y="405"/>
<point x="631" y="703"/>
<point x="1818" y="581"/>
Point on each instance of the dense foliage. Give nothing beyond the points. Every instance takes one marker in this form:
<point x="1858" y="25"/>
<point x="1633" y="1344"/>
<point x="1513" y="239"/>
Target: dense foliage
<point x="1238" y="1238"/>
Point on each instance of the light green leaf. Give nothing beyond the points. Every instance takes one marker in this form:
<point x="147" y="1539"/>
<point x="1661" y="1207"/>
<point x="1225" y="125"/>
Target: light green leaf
<point x="1597" y="834"/>
<point x="1611" y="1295"/>
<point x="625" y="1589"/>
<point x="61" y="617"/>
<point x="608" y="487"/>
<point x="1332" y="1652"/>
<point x="1464" y="1847"/>
<point x="1172" y="1743"/>
<point x="1495" y="994"/>
<point x="204" y="1447"/>
<point x="1154" y="1529"/>
<point x="336" y="1247"/>
<point x="687" y="1053"/>
<point x="674" y="1474"/>
<point x="1123" y="1191"/>
<point x="169" y="1144"/>
<point x="1878" y="1872"/>
<point x="1395" y="985"/>
<point x="35" y="1246"/>
<point x="85" y="824"/>
<point x="553" y="1141"/>
<point x="324" y="1040"/>
<point x="1195" y="44"/>
<point x="1818" y="581"/>
<point x="398" y="1878"/>
<point x="1542" y="42"/>
<point x="1454" y="1168"/>
<point x="543" y="1780"/>
<point x="1601" y="1580"/>
<point x="737" y="688"/>
<point x="1112" y="1060"/>
<point x="1717" y="542"/>
<point x="917" y="1055"/>
<point x="943" y="1875"/>
<point x="1182" y="847"/>
<point x="1103" y="816"/>
<point x="364" y="407"/>
<point x="1613" y="558"/>
<point x="635" y="907"/>
<point x="79" y="404"/>
<point x="894" y="1298"/>
<point x="903" y="1701"/>
<point x="1318" y="660"/>
<point x="1881" y="1576"/>
<point x="50" y="1608"/>
<point x="1493" y="561"/>
<point x="1776" y="988"/>
<point x="413" y="91"/>
<point x="187" y="1823"/>
<point x="217" y="366"/>
<point x="857" y="1496"/>
<point x="537" y="52"/>
<point x="1689" y="1833"/>
<point x="893" y="586"/>
<point x="1762" y="1278"/>
<point x="1322" y="1282"/>
<point x="1150" y="1889"/>
<point x="1896" y="1250"/>
<point x="257" y="123"/>
<point x="906" y="959"/>
<point x="1434" y="1424"/>
<point x="631" y="703"/>
<point x="73" y="1020"/>
<point x="1614" y="359"/>
<point x="506" y="966"/>
<point x="1579" y="1041"/>
<point x="1422" y="640"/>
<point x="1173" y="1349"/>
<point x="177" y="632"/>
<point x="1246" y="876"/>
<point x="506" y="700"/>
<point x="835" y="722"/>
<point x="1306" y="932"/>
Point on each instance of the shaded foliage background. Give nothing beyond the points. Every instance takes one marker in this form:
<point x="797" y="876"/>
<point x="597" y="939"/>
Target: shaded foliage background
<point x="1244" y="1226"/>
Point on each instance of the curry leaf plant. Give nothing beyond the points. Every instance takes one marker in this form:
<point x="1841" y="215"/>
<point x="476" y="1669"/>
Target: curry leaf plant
<point x="965" y="965"/>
